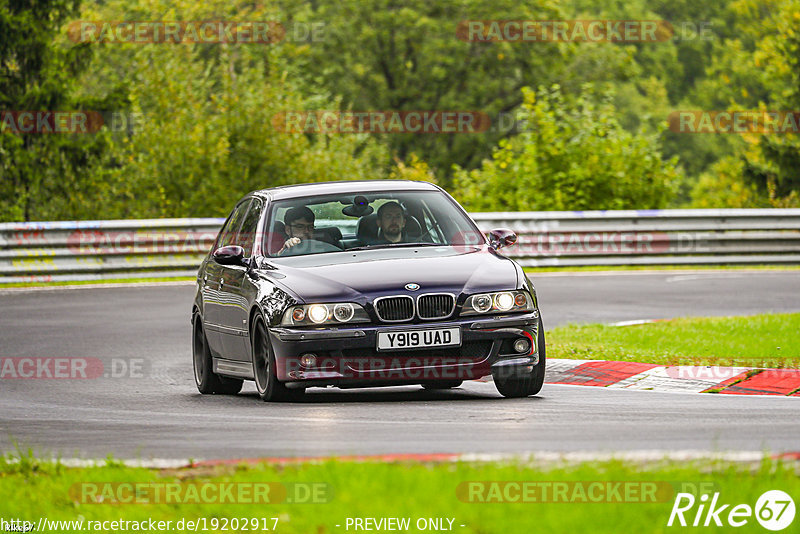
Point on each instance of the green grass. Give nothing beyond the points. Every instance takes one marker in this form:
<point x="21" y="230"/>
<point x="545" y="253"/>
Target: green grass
<point x="768" y="340"/>
<point x="529" y="270"/>
<point x="596" y="268"/>
<point x="30" y="490"/>
<point x="95" y="282"/>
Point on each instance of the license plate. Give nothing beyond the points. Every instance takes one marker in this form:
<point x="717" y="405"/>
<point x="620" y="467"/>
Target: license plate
<point x="413" y="339"/>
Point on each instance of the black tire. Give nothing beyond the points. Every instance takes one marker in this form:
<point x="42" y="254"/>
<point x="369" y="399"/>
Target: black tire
<point x="268" y="387"/>
<point x="207" y="381"/>
<point x="516" y="387"/>
<point x="442" y="384"/>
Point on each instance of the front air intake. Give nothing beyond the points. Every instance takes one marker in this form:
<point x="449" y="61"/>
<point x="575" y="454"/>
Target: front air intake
<point x="395" y="309"/>
<point x="435" y="306"/>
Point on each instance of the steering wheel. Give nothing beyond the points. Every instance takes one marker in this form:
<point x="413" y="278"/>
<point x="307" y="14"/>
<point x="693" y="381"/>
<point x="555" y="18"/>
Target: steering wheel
<point x="435" y="226"/>
<point x="310" y="246"/>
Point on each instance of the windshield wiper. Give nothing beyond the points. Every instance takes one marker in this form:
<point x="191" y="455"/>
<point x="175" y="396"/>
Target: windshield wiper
<point x="395" y="245"/>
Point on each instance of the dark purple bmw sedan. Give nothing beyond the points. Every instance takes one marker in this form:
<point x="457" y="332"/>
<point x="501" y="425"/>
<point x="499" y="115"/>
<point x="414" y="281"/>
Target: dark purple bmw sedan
<point x="362" y="284"/>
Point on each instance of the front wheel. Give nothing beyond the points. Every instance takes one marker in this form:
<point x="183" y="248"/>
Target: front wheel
<point x="268" y="386"/>
<point x="530" y="384"/>
<point x="207" y="380"/>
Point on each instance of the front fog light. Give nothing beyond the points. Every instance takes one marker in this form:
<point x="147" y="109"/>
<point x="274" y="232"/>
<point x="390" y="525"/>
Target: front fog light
<point x="504" y="301"/>
<point x="318" y="313"/>
<point x="522" y="345"/>
<point x="308" y="360"/>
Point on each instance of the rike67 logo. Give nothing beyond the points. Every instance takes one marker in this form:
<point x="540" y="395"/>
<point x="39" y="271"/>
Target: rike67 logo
<point x="774" y="510"/>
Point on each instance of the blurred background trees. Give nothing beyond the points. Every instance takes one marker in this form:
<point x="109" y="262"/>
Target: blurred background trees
<point x="572" y="155"/>
<point x="36" y="73"/>
<point x="189" y="127"/>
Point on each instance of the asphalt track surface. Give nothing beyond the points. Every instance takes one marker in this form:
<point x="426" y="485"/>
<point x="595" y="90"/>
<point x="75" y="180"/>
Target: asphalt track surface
<point x="161" y="415"/>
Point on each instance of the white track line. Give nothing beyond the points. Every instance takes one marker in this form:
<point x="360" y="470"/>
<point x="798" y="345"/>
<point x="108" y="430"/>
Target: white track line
<point x="97" y="286"/>
<point x="548" y="457"/>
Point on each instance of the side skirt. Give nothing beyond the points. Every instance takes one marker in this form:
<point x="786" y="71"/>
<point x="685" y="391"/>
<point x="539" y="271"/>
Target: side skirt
<point x="233" y="368"/>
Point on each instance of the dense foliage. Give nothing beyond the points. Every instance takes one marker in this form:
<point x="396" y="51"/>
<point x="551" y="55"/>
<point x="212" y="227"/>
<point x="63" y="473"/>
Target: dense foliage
<point x="575" y="125"/>
<point x="572" y="155"/>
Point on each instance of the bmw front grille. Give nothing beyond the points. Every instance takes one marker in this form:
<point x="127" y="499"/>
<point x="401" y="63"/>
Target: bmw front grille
<point x="395" y="309"/>
<point x="435" y="306"/>
<point x="403" y="307"/>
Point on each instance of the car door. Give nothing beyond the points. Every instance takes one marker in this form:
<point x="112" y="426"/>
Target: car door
<point x="214" y="295"/>
<point x="238" y="289"/>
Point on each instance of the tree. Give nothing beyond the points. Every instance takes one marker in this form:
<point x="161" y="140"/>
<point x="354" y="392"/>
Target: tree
<point x="573" y="155"/>
<point x="37" y="73"/>
<point x="202" y="135"/>
<point x="776" y="169"/>
<point x="406" y="56"/>
<point x="206" y="134"/>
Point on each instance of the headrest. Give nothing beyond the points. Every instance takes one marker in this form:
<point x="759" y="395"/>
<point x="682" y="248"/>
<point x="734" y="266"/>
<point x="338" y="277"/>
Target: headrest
<point x="367" y="228"/>
<point x="330" y="234"/>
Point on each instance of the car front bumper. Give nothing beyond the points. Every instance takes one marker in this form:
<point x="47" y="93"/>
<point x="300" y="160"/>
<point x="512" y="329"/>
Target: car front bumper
<point x="349" y="356"/>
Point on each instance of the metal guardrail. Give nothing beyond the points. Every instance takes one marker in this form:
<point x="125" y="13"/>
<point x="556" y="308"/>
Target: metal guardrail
<point x="96" y="250"/>
<point x="651" y="237"/>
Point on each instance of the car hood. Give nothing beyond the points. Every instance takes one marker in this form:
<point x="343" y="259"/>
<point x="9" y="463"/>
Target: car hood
<point x="363" y="275"/>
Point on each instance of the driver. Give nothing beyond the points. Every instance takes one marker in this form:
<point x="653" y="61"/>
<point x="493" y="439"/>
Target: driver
<point x="299" y="224"/>
<point x="391" y="223"/>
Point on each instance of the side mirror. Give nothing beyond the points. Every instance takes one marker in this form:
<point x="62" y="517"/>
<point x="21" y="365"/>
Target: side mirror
<point x="230" y="255"/>
<point x="501" y="237"/>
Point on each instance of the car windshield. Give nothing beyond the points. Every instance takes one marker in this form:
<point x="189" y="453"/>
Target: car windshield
<point x="364" y="221"/>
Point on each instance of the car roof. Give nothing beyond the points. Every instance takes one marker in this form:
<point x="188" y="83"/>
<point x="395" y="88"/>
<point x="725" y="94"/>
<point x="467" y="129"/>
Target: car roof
<point x="343" y="187"/>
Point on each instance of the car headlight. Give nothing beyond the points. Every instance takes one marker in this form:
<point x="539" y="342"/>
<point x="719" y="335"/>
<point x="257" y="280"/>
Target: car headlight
<point x="500" y="302"/>
<point x="322" y="314"/>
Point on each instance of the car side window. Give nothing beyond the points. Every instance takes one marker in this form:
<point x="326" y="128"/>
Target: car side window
<point x="229" y="233"/>
<point x="247" y="233"/>
<point x="226" y="227"/>
<point x="430" y="230"/>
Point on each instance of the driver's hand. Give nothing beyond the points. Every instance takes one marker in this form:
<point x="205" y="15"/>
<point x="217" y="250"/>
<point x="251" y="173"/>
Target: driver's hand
<point x="292" y="241"/>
